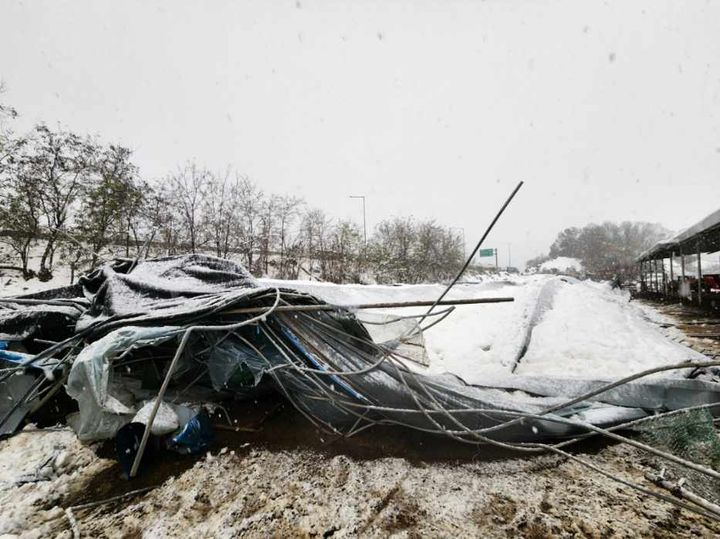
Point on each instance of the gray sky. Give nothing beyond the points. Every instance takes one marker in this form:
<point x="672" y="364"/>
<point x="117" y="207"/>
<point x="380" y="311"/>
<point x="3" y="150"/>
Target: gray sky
<point x="608" y="110"/>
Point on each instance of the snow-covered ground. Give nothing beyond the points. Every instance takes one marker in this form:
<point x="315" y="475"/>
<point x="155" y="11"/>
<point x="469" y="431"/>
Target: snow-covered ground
<point x="11" y="284"/>
<point x="250" y="491"/>
<point x="38" y="469"/>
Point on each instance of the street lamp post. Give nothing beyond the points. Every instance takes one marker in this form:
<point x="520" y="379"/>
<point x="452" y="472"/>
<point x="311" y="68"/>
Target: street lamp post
<point x="364" y="216"/>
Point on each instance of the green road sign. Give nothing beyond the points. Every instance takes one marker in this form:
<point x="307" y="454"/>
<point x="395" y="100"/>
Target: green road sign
<point x="486" y="252"/>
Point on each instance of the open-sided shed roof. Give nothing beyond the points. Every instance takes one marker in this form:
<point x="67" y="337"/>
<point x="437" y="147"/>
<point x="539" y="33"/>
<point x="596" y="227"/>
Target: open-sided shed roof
<point x="703" y="236"/>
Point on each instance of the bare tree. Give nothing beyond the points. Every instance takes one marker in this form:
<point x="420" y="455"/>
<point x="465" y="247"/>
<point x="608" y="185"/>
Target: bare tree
<point x="267" y="231"/>
<point x="314" y="235"/>
<point x="405" y="250"/>
<point x="9" y="143"/>
<point x="187" y="191"/>
<point x="139" y="218"/>
<point x="164" y="215"/>
<point x="345" y="246"/>
<point x="608" y="249"/>
<point x="250" y="200"/>
<point x="392" y="249"/>
<point x="58" y="163"/>
<point x="220" y="212"/>
<point x="288" y="210"/>
<point x="20" y="218"/>
<point x="107" y="199"/>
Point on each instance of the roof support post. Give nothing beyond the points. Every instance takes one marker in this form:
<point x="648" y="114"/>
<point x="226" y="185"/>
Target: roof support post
<point x="655" y="276"/>
<point x="699" y="274"/>
<point x="682" y="272"/>
<point x="664" y="282"/>
<point x="642" y="276"/>
<point x="651" y="275"/>
<point x="672" y="277"/>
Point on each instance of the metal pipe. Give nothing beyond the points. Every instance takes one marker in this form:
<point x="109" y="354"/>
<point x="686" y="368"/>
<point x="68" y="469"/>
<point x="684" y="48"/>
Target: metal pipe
<point x="171" y="369"/>
<point x="699" y="274"/>
<point x="476" y="249"/>
<point x="664" y="279"/>
<point x="362" y="306"/>
<point x="655" y="277"/>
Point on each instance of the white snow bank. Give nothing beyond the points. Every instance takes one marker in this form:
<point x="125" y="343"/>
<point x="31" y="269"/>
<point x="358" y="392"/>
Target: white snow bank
<point x="593" y="331"/>
<point x="562" y="263"/>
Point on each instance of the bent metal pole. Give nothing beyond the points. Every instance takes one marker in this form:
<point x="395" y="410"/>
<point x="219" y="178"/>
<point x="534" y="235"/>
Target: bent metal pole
<point x="477" y="247"/>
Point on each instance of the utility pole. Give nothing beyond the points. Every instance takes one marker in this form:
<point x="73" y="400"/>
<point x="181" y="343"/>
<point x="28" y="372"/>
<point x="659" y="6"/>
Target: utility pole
<point x="509" y="257"/>
<point x="364" y="216"/>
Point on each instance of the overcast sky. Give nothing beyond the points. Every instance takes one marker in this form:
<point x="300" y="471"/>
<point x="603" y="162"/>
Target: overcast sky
<point x="607" y="110"/>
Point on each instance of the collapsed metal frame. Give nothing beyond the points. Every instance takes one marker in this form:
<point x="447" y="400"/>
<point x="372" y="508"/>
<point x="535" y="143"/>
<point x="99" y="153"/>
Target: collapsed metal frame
<point x="428" y="406"/>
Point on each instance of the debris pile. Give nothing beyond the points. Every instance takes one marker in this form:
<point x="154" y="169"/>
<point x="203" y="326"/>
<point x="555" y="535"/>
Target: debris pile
<point x="145" y="348"/>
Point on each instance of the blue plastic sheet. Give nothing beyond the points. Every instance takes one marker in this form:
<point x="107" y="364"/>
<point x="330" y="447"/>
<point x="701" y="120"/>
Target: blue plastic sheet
<point x="195" y="437"/>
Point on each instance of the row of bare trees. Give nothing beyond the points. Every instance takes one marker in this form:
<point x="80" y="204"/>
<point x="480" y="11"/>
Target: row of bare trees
<point x="72" y="198"/>
<point x="279" y="235"/>
<point x="607" y="249"/>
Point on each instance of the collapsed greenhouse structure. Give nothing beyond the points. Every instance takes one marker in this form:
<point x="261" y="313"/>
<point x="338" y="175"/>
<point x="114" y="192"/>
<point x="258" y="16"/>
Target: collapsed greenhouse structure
<point x="143" y="348"/>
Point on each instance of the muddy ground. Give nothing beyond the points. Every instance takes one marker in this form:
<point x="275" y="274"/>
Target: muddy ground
<point x="249" y="491"/>
<point x="286" y="479"/>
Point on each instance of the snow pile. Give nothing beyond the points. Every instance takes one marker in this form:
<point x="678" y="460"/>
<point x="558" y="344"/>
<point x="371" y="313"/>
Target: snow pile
<point x="561" y="264"/>
<point x="39" y="469"/>
<point x="593" y="331"/>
